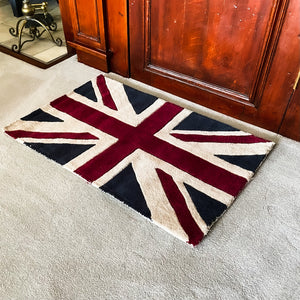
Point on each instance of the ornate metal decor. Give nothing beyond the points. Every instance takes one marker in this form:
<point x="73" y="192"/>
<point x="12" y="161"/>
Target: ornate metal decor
<point x="33" y="21"/>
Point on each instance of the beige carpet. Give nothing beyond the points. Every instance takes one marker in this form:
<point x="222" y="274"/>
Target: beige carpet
<point x="62" y="239"/>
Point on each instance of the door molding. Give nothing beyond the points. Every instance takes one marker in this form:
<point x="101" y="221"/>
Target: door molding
<point x="275" y="22"/>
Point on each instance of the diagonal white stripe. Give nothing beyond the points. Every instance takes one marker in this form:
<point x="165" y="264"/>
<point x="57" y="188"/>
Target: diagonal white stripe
<point x="191" y="206"/>
<point x="162" y="213"/>
<point x="126" y="112"/>
<point x="97" y="92"/>
<point x="88" y="155"/>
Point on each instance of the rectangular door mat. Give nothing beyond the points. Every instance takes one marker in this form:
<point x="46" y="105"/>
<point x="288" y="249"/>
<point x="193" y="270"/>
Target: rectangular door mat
<point x="176" y="167"/>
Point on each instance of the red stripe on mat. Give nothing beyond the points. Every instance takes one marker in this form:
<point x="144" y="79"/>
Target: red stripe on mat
<point x="179" y="205"/>
<point x="105" y="93"/>
<point x="243" y="139"/>
<point x="51" y="135"/>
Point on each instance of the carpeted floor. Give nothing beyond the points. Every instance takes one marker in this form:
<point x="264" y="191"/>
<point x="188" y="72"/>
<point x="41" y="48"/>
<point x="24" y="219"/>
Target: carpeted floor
<point x="61" y="239"/>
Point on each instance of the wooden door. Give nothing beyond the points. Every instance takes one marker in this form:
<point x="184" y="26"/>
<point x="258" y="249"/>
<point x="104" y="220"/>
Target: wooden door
<point x="237" y="57"/>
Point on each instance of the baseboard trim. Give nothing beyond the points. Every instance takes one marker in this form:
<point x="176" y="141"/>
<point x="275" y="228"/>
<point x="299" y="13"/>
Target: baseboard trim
<point x="91" y="57"/>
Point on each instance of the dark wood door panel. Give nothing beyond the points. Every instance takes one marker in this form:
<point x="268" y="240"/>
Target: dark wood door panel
<point x="88" y="23"/>
<point x="222" y="46"/>
<point x="208" y="34"/>
<point x="216" y="53"/>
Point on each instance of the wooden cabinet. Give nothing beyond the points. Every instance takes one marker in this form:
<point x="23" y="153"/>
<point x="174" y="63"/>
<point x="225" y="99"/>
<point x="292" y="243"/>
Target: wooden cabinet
<point x="88" y="27"/>
<point x="237" y="57"/>
<point x="97" y="29"/>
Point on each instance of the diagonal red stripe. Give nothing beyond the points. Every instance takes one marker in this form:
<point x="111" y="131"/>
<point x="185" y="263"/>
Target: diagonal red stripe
<point x="179" y="205"/>
<point x="51" y="135"/>
<point x="243" y="139"/>
<point x="105" y="93"/>
<point x="195" y="166"/>
<point x="141" y="137"/>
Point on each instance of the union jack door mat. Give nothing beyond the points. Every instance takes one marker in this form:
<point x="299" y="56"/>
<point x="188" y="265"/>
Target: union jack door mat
<point x="178" y="168"/>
